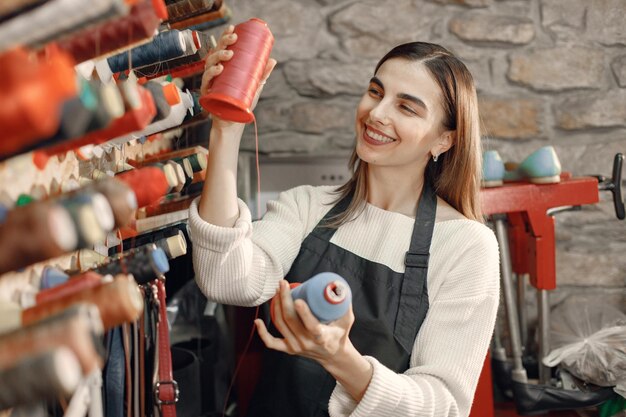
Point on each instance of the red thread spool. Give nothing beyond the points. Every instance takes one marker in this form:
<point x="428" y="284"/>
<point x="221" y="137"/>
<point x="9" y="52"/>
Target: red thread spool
<point x="231" y="93"/>
<point x="148" y="183"/>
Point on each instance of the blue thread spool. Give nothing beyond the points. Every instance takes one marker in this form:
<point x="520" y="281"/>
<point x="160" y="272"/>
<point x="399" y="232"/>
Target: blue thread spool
<point x="51" y="277"/>
<point x="327" y="294"/>
<point x="165" y="46"/>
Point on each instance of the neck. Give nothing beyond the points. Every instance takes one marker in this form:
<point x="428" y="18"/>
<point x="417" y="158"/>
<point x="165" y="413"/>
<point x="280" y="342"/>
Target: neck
<point x="394" y="188"/>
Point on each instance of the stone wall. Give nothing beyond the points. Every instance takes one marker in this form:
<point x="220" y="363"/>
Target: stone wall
<point x="547" y="72"/>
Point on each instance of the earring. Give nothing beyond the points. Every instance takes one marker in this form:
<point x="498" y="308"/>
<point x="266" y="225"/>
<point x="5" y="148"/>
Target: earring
<point x="435" y="157"/>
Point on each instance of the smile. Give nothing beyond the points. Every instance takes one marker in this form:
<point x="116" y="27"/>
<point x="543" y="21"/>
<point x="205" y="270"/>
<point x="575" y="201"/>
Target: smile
<point x="376" y="138"/>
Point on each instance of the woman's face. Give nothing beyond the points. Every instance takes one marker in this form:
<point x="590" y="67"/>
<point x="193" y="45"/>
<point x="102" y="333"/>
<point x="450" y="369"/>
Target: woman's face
<point x="399" y="118"/>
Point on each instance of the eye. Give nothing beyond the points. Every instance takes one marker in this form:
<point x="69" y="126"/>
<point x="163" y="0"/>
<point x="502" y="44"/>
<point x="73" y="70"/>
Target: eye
<point x="408" y="109"/>
<point x="375" y="92"/>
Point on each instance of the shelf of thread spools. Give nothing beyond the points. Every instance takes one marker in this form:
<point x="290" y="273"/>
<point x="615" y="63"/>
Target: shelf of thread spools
<point x="92" y="103"/>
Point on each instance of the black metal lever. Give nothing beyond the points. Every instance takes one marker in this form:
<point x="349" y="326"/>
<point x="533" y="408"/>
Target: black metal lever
<point x="614" y="185"/>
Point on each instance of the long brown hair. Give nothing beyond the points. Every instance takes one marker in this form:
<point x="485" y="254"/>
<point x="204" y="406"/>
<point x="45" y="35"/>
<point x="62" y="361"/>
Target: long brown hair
<point x="456" y="176"/>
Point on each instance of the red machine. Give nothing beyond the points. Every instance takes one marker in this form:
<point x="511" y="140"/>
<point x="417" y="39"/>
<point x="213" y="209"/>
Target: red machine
<point x="523" y="216"/>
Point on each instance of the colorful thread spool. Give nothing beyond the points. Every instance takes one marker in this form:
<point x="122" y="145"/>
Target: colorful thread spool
<point x="165" y="46"/>
<point x="327" y="294"/>
<point x="217" y="11"/>
<point x="54" y="19"/>
<point x="140" y="24"/>
<point x="231" y="93"/>
<point x="149" y="184"/>
<point x="144" y="263"/>
<point x="187" y="8"/>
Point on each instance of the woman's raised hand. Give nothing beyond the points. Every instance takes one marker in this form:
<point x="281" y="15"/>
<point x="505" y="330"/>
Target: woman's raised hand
<point x="213" y="64"/>
<point x="302" y="333"/>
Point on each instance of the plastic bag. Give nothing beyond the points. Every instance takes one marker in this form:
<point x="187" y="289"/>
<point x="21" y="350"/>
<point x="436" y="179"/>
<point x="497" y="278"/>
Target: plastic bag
<point x="589" y="340"/>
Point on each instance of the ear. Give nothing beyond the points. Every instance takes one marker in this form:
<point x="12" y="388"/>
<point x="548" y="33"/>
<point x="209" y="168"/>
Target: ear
<point x="444" y="142"/>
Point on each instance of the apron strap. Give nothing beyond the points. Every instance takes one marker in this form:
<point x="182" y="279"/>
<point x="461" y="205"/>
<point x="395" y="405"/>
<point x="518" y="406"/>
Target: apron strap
<point x="414" y="293"/>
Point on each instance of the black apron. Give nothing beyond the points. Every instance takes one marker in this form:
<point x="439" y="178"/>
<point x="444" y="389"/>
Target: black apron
<point x="389" y="309"/>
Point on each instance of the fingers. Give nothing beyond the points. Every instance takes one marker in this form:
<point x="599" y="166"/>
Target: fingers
<point x="212" y="64"/>
<point x="227" y="38"/>
<point x="271" y="63"/>
<point x="282" y="323"/>
<point x="311" y="323"/>
<point x="269" y="340"/>
<point x="208" y="75"/>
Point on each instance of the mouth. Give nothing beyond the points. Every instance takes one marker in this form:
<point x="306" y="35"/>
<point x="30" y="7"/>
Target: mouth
<point x="375" y="137"/>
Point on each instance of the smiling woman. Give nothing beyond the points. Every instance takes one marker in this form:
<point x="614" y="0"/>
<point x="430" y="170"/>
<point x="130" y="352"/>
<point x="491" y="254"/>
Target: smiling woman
<point x="405" y="232"/>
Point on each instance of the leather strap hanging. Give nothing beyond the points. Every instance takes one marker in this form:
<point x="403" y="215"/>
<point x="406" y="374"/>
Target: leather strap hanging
<point x="166" y="389"/>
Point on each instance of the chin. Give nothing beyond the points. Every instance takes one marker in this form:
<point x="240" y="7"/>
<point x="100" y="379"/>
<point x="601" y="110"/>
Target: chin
<point x="363" y="154"/>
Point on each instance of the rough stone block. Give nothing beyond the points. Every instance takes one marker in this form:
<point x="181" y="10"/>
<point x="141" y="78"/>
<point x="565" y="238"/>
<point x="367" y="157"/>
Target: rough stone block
<point x="487" y="27"/>
<point x="299" y="29"/>
<point x="568" y="13"/>
<point x="370" y="28"/>
<point x="468" y="3"/>
<point x="559" y="68"/>
<point x="606" y="109"/>
<point x="273" y="115"/>
<point x="329" y="77"/>
<point x="605" y="21"/>
<point x="510" y="118"/>
<point x="619" y="70"/>
<point x="590" y="269"/>
<point x="322" y="116"/>
<point x="481" y="72"/>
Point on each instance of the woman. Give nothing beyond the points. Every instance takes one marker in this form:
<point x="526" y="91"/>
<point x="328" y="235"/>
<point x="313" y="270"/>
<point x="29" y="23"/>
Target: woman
<point x="405" y="232"/>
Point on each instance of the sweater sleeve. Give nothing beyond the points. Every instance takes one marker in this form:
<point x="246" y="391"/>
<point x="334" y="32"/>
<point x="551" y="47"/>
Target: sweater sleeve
<point x="449" y="350"/>
<point x="243" y="264"/>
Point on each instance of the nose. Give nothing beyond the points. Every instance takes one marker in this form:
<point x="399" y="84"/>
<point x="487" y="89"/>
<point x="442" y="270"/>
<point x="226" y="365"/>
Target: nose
<point x="379" y="113"/>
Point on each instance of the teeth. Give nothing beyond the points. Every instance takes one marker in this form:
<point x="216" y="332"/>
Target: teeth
<point x="378" y="137"/>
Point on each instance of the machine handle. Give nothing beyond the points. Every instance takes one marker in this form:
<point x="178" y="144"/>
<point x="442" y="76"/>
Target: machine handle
<point x="614" y="185"/>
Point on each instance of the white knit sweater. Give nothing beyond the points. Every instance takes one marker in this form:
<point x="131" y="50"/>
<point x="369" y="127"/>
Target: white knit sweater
<point x="243" y="264"/>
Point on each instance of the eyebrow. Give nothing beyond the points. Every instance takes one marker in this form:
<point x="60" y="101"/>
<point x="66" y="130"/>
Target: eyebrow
<point x="417" y="101"/>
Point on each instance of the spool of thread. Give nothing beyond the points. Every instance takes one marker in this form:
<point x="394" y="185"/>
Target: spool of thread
<point x="123" y="289"/>
<point x="32" y="95"/>
<point x="216" y="12"/>
<point x="54" y="19"/>
<point x="78" y="327"/>
<point x="75" y="284"/>
<point x="327" y="294"/>
<point x="88" y="259"/>
<point x="144" y="263"/>
<point x="41" y="377"/>
<point x="141" y="23"/>
<point x="35" y="233"/>
<point x="121" y="198"/>
<point x="181" y="178"/>
<point x="148" y="183"/>
<point x="51" y="277"/>
<point x="231" y="93"/>
<point x="163" y="107"/>
<point x="184" y="9"/>
<point x="197" y="50"/>
<point x="11" y="8"/>
<point x="165" y="46"/>
<point x="4" y="210"/>
<point x="173" y="246"/>
<point x="92" y="216"/>
<point x="180" y="103"/>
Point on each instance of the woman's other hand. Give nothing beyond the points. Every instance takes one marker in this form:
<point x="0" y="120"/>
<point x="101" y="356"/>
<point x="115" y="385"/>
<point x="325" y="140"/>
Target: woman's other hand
<point x="303" y="334"/>
<point x="213" y="67"/>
